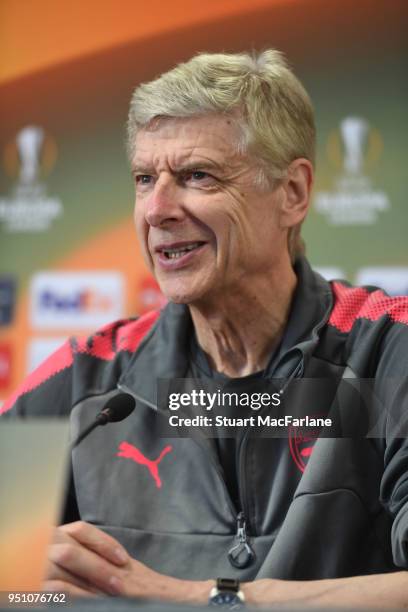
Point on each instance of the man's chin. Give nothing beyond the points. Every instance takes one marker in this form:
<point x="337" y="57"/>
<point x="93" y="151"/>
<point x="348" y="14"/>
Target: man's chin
<point x="181" y="295"/>
<point x="180" y="299"/>
<point x="184" y="291"/>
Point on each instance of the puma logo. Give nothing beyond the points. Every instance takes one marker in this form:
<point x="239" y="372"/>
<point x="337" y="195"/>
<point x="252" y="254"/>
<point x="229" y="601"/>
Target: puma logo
<point x="128" y="451"/>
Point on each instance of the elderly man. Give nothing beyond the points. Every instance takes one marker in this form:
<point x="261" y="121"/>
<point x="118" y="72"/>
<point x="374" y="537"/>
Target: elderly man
<point x="222" y="153"/>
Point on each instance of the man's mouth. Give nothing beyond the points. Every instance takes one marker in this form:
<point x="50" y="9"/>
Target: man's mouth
<point x="176" y="252"/>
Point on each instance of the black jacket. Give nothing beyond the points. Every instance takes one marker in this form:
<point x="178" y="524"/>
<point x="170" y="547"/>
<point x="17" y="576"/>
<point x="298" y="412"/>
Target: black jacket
<point x="340" y="510"/>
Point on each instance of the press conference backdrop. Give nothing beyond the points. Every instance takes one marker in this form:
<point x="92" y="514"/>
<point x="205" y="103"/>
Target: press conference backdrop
<point x="69" y="261"/>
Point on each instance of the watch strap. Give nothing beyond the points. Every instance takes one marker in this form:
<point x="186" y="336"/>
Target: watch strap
<point x="228" y="584"/>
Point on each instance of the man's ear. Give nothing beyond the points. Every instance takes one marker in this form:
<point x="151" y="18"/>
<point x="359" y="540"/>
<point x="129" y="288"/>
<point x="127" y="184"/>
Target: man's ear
<point x="297" y="187"/>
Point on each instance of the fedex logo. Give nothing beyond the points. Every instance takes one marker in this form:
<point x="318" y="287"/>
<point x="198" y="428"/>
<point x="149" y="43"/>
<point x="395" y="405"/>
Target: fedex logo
<point x="77" y="300"/>
<point x="80" y="301"/>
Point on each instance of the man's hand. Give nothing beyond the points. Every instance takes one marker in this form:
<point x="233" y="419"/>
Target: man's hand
<point x="85" y="561"/>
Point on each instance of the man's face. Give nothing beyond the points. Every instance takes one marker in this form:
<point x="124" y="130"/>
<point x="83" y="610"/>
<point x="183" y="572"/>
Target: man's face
<point x="204" y="225"/>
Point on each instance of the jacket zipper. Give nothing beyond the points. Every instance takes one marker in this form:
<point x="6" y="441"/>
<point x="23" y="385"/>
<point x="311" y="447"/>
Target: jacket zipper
<point x="241" y="554"/>
<point x="245" y="514"/>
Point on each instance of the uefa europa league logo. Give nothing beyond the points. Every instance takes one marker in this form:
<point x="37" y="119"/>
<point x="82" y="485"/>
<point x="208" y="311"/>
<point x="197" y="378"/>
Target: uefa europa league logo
<point x="29" y="142"/>
<point x="29" y="157"/>
<point x="354" y="133"/>
<point x="353" y="148"/>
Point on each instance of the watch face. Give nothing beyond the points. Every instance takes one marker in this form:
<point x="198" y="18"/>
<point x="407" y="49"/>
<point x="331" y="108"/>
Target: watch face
<point x="226" y="598"/>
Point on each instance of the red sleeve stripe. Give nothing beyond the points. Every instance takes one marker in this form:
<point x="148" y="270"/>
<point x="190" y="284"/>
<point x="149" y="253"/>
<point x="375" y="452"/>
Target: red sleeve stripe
<point x="130" y="336"/>
<point x="55" y="363"/>
<point x="352" y="303"/>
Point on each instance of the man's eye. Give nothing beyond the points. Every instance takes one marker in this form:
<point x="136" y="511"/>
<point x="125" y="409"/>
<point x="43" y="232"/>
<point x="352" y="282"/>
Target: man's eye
<point x="143" y="179"/>
<point x="198" y="175"/>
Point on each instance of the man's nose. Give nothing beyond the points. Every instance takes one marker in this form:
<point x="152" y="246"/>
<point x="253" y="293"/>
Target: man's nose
<point x="163" y="205"/>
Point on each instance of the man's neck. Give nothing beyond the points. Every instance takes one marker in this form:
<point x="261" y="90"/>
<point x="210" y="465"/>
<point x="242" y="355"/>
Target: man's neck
<point x="239" y="331"/>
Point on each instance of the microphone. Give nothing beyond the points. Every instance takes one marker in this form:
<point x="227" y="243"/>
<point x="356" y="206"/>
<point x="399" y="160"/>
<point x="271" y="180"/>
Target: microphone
<point x="117" y="408"/>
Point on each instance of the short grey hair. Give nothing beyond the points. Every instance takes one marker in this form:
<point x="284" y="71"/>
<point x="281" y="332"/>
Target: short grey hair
<point x="272" y="107"/>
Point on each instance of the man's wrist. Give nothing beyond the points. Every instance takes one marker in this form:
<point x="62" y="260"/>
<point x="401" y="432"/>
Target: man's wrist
<point x="258" y="592"/>
<point x="191" y="591"/>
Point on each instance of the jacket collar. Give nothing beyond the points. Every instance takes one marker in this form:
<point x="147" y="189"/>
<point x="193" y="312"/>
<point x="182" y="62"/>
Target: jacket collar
<point x="310" y="310"/>
<point x="164" y="352"/>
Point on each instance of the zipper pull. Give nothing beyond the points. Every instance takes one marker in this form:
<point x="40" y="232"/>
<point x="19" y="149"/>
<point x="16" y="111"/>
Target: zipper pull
<point x="241" y="555"/>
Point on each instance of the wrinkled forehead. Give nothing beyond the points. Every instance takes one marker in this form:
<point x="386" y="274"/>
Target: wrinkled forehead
<point x="208" y="135"/>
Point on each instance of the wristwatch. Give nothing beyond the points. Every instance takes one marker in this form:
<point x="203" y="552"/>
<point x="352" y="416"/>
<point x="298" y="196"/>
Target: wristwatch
<point x="227" y="593"/>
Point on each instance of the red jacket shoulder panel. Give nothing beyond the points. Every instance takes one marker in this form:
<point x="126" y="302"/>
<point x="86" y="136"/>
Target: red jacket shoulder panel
<point x="352" y="303"/>
<point x="124" y="335"/>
